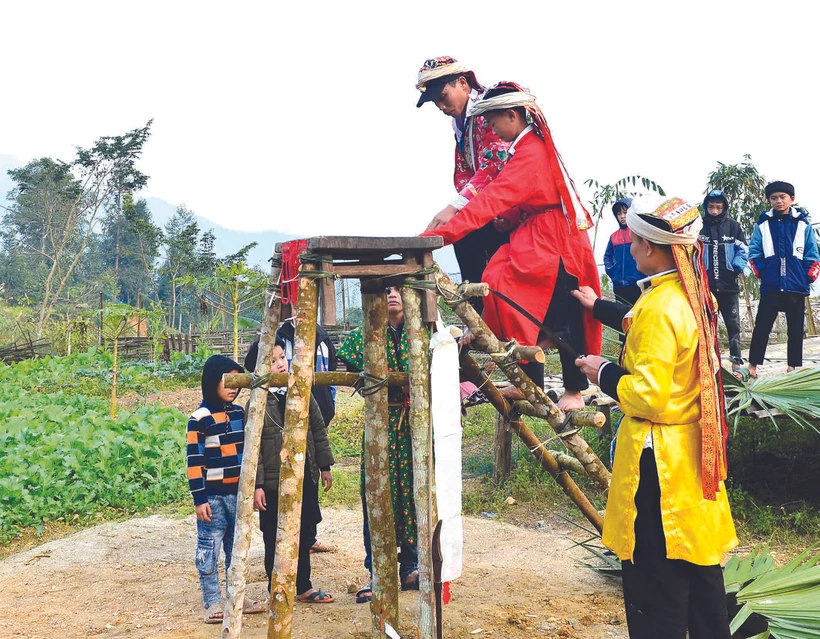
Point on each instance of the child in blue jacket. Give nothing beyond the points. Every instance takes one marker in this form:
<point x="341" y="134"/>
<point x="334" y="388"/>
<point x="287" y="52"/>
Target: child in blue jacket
<point x="618" y="261"/>
<point x="784" y="256"/>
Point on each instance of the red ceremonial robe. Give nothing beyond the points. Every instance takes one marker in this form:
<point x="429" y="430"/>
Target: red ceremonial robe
<point x="526" y="269"/>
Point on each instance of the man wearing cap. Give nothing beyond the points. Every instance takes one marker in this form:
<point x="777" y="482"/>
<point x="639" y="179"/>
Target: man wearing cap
<point x="479" y="156"/>
<point x="667" y="514"/>
<point x="725" y="254"/>
<point x="783" y="255"/>
<point x="618" y="261"/>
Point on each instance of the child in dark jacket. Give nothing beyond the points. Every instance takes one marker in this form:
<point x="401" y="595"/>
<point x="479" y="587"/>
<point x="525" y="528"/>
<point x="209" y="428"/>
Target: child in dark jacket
<point x="725" y="256"/>
<point x="215" y="441"/>
<point x="318" y="461"/>
<point x="783" y="255"/>
<point x="618" y="261"/>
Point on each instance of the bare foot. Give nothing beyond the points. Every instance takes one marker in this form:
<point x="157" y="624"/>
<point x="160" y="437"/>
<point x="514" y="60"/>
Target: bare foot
<point x="571" y="400"/>
<point x="511" y="393"/>
<point x="789" y="369"/>
<point x="752" y="371"/>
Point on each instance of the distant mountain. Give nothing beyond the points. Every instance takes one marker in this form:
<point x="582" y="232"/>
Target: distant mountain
<point x="228" y="241"/>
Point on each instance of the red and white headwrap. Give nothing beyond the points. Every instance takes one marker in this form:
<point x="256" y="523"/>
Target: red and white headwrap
<point x="441" y="67"/>
<point x="518" y="96"/>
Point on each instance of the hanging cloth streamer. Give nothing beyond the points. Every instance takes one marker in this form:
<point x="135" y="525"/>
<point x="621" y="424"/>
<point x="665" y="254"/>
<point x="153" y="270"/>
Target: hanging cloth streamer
<point x="290" y="270"/>
<point x="445" y="413"/>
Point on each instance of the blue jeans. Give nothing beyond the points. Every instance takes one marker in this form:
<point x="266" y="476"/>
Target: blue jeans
<point x="210" y="535"/>
<point x="408" y="555"/>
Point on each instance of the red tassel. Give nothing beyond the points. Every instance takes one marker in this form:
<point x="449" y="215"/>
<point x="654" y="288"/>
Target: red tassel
<point x="445" y="593"/>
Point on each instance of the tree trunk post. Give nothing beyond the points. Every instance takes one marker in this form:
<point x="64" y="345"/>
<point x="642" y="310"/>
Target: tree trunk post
<point x="487" y="342"/>
<point x="502" y="448"/>
<point x="418" y="341"/>
<point x="240" y="564"/>
<point x="384" y="607"/>
<point x="292" y="471"/>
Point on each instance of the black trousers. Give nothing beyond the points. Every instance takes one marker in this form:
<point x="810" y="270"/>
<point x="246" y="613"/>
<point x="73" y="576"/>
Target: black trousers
<point x="268" y="519"/>
<point x="663" y="596"/>
<point x="729" y="307"/>
<point x="794" y="306"/>
<point x="474" y="250"/>
<point x="565" y="318"/>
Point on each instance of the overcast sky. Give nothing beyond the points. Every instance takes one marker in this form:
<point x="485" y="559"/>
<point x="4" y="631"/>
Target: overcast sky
<point x="300" y="116"/>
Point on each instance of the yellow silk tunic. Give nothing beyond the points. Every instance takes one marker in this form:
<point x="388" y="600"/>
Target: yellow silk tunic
<point x="661" y="394"/>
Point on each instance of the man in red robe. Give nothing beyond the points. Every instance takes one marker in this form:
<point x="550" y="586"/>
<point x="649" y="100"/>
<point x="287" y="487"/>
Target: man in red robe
<point x="479" y="156"/>
<point x="548" y="255"/>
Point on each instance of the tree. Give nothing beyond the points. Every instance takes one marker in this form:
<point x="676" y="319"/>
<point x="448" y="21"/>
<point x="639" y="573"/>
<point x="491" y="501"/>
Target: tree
<point x="181" y="257"/>
<point x="64" y="203"/>
<point x="117" y="320"/>
<point x="130" y="248"/>
<point x="607" y="194"/>
<point x="232" y="290"/>
<point x="744" y="187"/>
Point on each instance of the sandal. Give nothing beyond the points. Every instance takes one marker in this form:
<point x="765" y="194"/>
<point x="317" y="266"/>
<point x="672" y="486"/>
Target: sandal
<point x="320" y="547"/>
<point x="317" y="596"/>
<point x="213" y="614"/>
<point x="364" y="594"/>
<point x="253" y="607"/>
<point x="411" y="581"/>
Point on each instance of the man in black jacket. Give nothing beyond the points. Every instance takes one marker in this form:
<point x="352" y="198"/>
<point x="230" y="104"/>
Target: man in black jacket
<point x="726" y="254"/>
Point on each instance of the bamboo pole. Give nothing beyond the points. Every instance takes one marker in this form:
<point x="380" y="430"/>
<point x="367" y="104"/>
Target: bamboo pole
<point x="240" y="566"/>
<point x="568" y="462"/>
<point x="473" y="372"/>
<point x="486" y="341"/>
<point x="292" y="470"/>
<point x="418" y="341"/>
<point x="578" y="418"/>
<point x="323" y="378"/>
<point x="384" y="606"/>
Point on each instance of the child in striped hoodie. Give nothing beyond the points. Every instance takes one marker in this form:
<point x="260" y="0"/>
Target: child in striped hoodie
<point x="215" y="441"/>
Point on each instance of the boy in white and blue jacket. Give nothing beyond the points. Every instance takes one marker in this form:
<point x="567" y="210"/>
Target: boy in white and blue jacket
<point x="783" y="254"/>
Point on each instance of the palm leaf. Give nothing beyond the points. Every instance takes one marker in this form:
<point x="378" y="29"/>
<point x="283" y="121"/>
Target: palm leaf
<point x="739" y="571"/>
<point x="787" y="597"/>
<point x="795" y="394"/>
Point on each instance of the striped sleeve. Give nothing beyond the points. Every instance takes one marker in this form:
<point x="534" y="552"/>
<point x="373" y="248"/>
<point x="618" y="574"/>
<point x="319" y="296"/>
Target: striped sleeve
<point x="195" y="439"/>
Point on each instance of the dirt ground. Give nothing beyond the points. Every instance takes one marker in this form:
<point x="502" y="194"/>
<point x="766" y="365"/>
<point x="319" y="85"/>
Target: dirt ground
<point x="137" y="579"/>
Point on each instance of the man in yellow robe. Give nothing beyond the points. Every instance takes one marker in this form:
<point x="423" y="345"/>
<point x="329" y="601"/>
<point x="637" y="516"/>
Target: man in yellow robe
<point x="667" y="516"/>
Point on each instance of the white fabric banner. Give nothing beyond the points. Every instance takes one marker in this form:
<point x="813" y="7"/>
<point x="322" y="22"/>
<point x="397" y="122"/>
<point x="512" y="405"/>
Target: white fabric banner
<point x="445" y="413"/>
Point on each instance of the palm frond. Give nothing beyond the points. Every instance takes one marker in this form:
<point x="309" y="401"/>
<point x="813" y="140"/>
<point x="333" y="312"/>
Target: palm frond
<point x="795" y="394"/>
<point x="787" y="597"/>
<point x="739" y="571"/>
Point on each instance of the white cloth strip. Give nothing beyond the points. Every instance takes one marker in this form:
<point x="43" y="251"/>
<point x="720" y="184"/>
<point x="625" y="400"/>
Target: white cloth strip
<point x="439" y="72"/>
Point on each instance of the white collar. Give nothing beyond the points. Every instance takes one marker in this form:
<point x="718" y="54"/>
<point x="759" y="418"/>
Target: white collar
<point x="646" y="282"/>
<point x="518" y="139"/>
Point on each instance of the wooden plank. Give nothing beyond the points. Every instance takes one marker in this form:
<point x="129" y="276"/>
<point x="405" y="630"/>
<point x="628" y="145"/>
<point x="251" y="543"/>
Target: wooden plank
<point x="351" y="244"/>
<point x="327" y="292"/>
<point x="367" y="270"/>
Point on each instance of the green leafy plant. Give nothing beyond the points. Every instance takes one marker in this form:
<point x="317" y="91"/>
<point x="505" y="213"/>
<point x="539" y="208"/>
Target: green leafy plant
<point x="787" y="597"/>
<point x="795" y="394"/>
